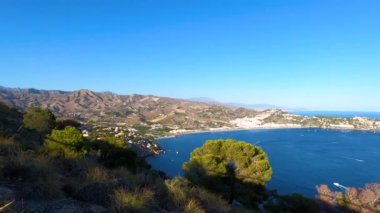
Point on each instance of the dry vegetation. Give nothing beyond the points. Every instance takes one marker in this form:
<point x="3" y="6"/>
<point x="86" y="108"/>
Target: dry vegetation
<point x="365" y="199"/>
<point x="104" y="176"/>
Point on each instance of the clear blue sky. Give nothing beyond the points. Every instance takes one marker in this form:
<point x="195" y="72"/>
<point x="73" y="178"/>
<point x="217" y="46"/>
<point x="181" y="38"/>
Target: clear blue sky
<point x="321" y="54"/>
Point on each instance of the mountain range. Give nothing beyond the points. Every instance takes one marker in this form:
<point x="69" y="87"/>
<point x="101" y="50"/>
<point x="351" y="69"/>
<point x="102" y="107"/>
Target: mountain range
<point x="176" y="114"/>
<point x="236" y="105"/>
<point x="128" y="109"/>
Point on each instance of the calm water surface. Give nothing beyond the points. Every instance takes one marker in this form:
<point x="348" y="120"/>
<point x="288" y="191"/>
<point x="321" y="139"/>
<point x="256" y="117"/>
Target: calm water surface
<point x="346" y="114"/>
<point x="300" y="158"/>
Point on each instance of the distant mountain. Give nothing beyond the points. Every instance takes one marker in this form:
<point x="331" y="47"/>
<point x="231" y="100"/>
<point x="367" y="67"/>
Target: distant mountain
<point x="129" y="109"/>
<point x="254" y="106"/>
<point x="236" y="105"/>
<point x="204" y="100"/>
<point x="182" y="115"/>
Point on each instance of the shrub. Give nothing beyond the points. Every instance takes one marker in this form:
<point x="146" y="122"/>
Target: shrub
<point x="8" y="146"/>
<point x="98" y="193"/>
<point x="193" y="206"/>
<point x="98" y="174"/>
<point x="184" y="196"/>
<point x="39" y="120"/>
<point x="114" y="153"/>
<point x="292" y="203"/>
<point x="66" y="143"/>
<point x="141" y="200"/>
<point x="62" y="124"/>
<point x="126" y="178"/>
<point x="36" y="174"/>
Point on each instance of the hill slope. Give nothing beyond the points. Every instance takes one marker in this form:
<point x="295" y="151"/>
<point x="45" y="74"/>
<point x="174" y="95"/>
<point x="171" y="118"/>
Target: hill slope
<point x="109" y="108"/>
<point x="128" y="109"/>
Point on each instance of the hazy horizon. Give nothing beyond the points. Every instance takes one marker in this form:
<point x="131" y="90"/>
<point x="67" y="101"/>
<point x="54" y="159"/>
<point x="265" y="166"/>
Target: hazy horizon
<point x="315" y="55"/>
<point x="211" y="100"/>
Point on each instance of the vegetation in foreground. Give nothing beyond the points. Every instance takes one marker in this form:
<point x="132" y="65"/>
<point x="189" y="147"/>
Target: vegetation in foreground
<point x="50" y="167"/>
<point x="236" y="170"/>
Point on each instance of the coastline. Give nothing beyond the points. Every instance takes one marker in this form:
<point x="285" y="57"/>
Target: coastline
<point x="275" y="119"/>
<point x="190" y="132"/>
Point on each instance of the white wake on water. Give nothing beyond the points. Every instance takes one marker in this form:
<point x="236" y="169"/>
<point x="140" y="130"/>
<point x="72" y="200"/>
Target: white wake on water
<point x="355" y="159"/>
<point x="340" y="186"/>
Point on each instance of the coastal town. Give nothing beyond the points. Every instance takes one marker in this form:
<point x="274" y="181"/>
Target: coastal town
<point x="143" y="144"/>
<point x="143" y="138"/>
<point x="280" y="119"/>
<point x="275" y="119"/>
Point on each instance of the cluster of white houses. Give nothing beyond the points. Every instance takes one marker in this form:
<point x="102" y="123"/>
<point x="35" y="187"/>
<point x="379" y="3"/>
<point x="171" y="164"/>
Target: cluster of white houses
<point x="143" y="145"/>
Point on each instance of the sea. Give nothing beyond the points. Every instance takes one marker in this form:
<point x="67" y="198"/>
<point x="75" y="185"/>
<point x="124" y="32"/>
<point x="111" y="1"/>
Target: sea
<point x="301" y="159"/>
<point x="346" y="114"/>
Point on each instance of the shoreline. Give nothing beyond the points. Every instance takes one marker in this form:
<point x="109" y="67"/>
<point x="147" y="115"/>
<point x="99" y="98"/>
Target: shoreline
<point x="190" y="132"/>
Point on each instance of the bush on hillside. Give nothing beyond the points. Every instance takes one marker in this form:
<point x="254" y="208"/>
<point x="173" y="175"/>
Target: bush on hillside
<point x="140" y="200"/>
<point x="66" y="143"/>
<point x="186" y="197"/>
<point x="63" y="123"/>
<point x="36" y="174"/>
<point x="10" y="119"/>
<point x="8" y="146"/>
<point x="39" y="120"/>
<point x="115" y="153"/>
<point x="291" y="203"/>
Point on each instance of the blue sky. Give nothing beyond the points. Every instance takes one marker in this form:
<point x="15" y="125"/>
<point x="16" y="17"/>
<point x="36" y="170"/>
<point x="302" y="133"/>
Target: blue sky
<point x="314" y="54"/>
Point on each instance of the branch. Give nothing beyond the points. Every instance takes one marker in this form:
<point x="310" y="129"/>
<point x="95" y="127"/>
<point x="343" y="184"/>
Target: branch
<point x="6" y="206"/>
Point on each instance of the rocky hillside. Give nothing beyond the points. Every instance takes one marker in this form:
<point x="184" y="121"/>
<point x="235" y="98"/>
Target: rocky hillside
<point x="178" y="115"/>
<point x="127" y="109"/>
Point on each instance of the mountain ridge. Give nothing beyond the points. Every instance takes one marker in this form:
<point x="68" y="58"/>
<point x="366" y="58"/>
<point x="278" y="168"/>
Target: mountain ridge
<point x="130" y="109"/>
<point x="236" y="105"/>
<point x="179" y="115"/>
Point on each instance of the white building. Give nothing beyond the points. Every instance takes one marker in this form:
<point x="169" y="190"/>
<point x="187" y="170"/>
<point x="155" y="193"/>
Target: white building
<point x="85" y="133"/>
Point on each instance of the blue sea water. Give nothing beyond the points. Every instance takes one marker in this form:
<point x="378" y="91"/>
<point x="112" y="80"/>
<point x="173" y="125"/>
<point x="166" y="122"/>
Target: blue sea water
<point x="300" y="158"/>
<point x="346" y="114"/>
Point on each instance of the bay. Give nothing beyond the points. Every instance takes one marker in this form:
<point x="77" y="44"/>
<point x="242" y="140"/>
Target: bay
<point x="300" y="158"/>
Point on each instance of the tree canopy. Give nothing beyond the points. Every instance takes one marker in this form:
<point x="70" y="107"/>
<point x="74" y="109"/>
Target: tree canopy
<point x="115" y="153"/>
<point x="221" y="163"/>
<point x="38" y="119"/>
<point x="251" y="162"/>
<point x="68" y="142"/>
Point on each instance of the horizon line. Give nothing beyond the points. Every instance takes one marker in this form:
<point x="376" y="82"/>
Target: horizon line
<point x="284" y="108"/>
